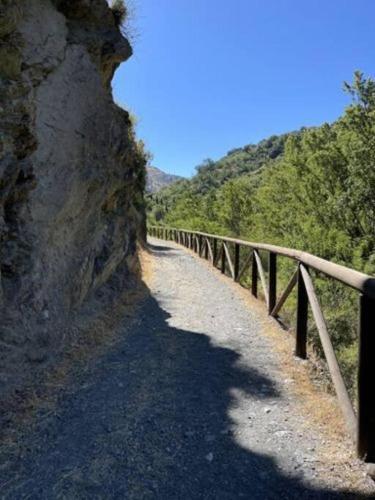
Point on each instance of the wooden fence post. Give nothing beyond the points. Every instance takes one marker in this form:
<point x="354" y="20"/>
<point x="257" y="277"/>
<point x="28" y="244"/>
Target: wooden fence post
<point x="223" y="260"/>
<point x="272" y="281"/>
<point x="366" y="379"/>
<point x="214" y="251"/>
<point x="254" y="276"/>
<point x="236" y="261"/>
<point x="302" y="315"/>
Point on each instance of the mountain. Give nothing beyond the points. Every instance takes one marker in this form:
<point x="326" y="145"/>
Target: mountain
<point x="212" y="175"/>
<point x="157" y="179"/>
<point x="238" y="162"/>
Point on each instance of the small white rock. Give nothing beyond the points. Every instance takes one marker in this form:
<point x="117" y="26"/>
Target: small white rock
<point x="281" y="433"/>
<point x="210" y="456"/>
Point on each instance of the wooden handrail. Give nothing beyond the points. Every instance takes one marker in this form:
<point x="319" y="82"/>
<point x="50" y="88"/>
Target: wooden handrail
<point x="362" y="426"/>
<point x="355" y="279"/>
<point x="329" y="353"/>
<point x="288" y="289"/>
<point x="208" y="246"/>
<point x="229" y="260"/>
<point x="262" y="275"/>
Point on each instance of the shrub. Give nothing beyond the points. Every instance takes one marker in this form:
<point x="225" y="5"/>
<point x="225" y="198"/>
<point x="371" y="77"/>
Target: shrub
<point x="120" y="12"/>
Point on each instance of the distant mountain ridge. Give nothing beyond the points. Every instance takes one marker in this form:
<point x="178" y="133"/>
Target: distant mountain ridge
<point x="157" y="179"/>
<point x="238" y="162"/>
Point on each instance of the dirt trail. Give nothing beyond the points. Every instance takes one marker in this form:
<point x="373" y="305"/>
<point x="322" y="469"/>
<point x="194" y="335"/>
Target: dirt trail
<point x="190" y="403"/>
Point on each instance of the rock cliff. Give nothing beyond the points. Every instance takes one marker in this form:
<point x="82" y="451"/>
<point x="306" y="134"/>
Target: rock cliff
<point x="71" y="172"/>
<point x="157" y="179"/>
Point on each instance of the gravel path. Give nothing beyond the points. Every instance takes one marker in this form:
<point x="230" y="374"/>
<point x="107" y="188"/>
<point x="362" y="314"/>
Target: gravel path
<point x="190" y="404"/>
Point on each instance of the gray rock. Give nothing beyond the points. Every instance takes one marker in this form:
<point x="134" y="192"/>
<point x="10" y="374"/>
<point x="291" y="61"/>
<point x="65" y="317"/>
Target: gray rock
<point x="71" y="172"/>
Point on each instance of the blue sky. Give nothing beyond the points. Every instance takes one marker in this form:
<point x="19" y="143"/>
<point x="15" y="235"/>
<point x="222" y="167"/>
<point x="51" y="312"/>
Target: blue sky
<point x="211" y="75"/>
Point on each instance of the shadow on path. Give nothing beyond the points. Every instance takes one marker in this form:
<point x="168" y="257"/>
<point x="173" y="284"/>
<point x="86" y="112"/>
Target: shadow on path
<point x="150" y="421"/>
<point x="159" y="249"/>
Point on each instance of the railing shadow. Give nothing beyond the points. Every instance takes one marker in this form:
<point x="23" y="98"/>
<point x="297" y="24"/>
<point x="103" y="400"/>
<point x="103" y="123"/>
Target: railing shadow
<point x="152" y="421"/>
<point x="159" y="249"/>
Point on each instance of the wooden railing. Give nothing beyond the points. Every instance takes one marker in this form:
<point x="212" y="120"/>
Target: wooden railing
<point x="226" y="254"/>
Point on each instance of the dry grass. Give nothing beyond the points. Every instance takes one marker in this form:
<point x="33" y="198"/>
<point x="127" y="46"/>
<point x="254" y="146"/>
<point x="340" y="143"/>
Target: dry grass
<point x="124" y="13"/>
<point x="120" y="12"/>
<point x="147" y="264"/>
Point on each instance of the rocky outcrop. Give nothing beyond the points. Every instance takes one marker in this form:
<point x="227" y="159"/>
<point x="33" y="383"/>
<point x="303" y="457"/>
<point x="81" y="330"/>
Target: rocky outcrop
<point x="157" y="179"/>
<point x="71" y="173"/>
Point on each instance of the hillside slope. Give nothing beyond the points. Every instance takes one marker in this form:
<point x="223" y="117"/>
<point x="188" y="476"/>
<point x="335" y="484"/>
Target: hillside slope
<point x="157" y="179"/>
<point x="211" y="175"/>
<point x="237" y="162"/>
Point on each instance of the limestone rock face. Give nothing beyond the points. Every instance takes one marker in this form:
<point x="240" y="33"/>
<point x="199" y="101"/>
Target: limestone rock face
<point x="71" y="173"/>
<point x="157" y="179"/>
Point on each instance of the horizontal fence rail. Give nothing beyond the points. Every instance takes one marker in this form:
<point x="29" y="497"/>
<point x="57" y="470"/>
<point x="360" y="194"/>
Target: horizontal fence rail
<point x="238" y="256"/>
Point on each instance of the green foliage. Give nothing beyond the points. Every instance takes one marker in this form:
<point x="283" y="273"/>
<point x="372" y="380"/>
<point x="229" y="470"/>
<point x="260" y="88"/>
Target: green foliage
<point x="237" y="162"/>
<point x="313" y="190"/>
<point x="207" y="185"/>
